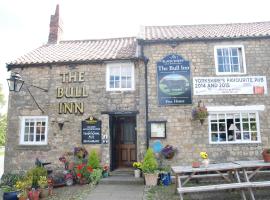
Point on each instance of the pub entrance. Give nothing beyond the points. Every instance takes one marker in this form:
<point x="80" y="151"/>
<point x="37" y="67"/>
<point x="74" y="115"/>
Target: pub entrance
<point x="123" y="141"/>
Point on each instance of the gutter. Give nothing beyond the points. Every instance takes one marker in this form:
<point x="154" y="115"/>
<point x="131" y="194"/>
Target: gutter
<point x="145" y="60"/>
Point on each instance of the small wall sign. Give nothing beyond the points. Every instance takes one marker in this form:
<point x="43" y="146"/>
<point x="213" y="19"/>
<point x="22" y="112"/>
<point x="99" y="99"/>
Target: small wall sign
<point x="157" y="129"/>
<point x="173" y="81"/>
<point x="91" y="131"/>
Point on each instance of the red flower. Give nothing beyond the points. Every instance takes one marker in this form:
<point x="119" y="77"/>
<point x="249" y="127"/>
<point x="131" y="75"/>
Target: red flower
<point x="90" y="169"/>
<point x="79" y="175"/>
<point x="79" y="167"/>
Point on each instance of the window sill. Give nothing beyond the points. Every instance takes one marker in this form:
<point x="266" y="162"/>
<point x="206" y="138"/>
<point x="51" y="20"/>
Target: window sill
<point x="33" y="147"/>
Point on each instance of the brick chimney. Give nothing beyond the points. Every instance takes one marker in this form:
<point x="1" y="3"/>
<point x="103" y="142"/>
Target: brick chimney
<point x="56" y="30"/>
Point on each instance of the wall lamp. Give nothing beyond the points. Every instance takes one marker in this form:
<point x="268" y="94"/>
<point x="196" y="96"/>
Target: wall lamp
<point x="15" y="83"/>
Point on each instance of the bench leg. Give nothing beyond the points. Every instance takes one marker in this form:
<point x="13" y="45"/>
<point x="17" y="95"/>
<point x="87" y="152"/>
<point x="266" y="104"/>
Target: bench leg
<point x="247" y="180"/>
<point x="238" y="180"/>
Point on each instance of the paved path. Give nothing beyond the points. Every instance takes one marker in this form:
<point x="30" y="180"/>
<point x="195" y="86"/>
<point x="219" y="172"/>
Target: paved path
<point x="117" y="192"/>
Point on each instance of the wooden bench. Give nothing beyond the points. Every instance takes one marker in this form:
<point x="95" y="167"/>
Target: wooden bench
<point x="206" y="188"/>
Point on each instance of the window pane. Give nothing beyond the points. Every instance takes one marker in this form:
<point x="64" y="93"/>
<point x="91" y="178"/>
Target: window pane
<point x="245" y="127"/>
<point x="31" y="137"/>
<point x="219" y="52"/>
<point x="234" y="52"/>
<point x="244" y="117"/>
<point x="42" y="137"/>
<point x="26" y="138"/>
<point x="246" y="136"/>
<point x="253" y="126"/>
<point x="222" y="137"/>
<point x="129" y="83"/>
<point x="111" y="84"/>
<point x="37" y="138"/>
<point x="214" y="127"/>
<point x="254" y="136"/>
<point x="117" y="84"/>
<point x="222" y="127"/>
<point x="214" y="137"/>
<point x="238" y="135"/>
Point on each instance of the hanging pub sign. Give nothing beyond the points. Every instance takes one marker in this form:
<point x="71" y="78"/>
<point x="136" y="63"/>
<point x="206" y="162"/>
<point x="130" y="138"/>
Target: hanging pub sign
<point x="91" y="131"/>
<point x="173" y="81"/>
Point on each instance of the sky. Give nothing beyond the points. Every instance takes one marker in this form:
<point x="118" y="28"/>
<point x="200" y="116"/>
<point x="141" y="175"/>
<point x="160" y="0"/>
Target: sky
<point x="24" y="25"/>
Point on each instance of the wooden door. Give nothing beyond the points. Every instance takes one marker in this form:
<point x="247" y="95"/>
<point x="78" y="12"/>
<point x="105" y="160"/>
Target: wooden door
<point x="125" y="141"/>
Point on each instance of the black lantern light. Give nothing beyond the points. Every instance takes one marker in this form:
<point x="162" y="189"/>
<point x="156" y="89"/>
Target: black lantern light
<point x="15" y="82"/>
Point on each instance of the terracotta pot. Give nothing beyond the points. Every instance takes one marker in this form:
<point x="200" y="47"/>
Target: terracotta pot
<point x="196" y="164"/>
<point x="44" y="193"/>
<point x="266" y="156"/>
<point x="151" y="179"/>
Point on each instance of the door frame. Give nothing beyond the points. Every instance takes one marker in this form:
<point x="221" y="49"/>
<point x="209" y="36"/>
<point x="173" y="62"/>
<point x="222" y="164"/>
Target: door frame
<point x="113" y="163"/>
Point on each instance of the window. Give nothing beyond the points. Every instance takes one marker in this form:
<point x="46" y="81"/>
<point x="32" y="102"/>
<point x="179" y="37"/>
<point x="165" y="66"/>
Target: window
<point x="234" y="127"/>
<point x="230" y="60"/>
<point x="120" y="76"/>
<point x="34" y="130"/>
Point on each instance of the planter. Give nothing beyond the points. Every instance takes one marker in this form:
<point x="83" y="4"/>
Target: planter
<point x="105" y="174"/>
<point x="165" y="178"/>
<point x="137" y="173"/>
<point x="196" y="164"/>
<point x="151" y="179"/>
<point x="44" y="193"/>
<point x="205" y="162"/>
<point x="10" y="195"/>
<point x="266" y="155"/>
<point x="83" y="181"/>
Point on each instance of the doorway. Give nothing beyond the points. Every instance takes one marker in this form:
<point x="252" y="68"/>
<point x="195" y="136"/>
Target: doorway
<point x="123" y="141"/>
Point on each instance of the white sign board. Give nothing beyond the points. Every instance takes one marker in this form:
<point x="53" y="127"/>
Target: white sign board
<point x="230" y="85"/>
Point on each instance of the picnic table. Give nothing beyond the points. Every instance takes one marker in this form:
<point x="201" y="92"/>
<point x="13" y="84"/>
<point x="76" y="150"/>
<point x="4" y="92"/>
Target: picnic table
<point x="230" y="172"/>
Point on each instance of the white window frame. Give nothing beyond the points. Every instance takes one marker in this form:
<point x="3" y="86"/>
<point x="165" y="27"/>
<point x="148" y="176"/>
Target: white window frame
<point x="109" y="65"/>
<point x="232" y="110"/>
<point x="243" y="59"/>
<point x="22" y="123"/>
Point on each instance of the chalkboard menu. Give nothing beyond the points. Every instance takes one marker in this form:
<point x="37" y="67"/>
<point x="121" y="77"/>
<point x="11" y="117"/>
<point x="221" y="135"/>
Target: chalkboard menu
<point x="91" y="131"/>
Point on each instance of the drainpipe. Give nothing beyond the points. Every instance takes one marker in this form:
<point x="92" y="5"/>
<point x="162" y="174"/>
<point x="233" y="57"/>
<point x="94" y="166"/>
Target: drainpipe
<point x="145" y="60"/>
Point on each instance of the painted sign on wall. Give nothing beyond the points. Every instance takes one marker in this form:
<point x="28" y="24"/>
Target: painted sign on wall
<point x="230" y="85"/>
<point x="173" y="81"/>
<point x="91" y="131"/>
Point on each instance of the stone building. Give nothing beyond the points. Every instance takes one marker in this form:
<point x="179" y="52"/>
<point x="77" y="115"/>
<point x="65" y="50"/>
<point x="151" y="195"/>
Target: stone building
<point x="121" y="95"/>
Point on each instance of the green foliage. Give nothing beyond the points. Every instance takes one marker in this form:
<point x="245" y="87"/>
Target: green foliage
<point x="9" y="180"/>
<point x="35" y="173"/>
<point x="149" y="164"/>
<point x="3" y="129"/>
<point x="96" y="176"/>
<point x="2" y="98"/>
<point x="93" y="160"/>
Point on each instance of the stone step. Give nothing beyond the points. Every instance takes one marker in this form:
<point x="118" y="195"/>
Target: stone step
<point x="122" y="172"/>
<point x="122" y="180"/>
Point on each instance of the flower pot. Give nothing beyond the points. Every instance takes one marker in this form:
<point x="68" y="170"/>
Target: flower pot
<point x="196" y="164"/>
<point x="83" y="181"/>
<point x="137" y="173"/>
<point x="165" y="178"/>
<point x="10" y="195"/>
<point x="205" y="162"/>
<point x="266" y="156"/>
<point x="105" y="174"/>
<point x="151" y="179"/>
<point x="44" y="192"/>
<point x="23" y="198"/>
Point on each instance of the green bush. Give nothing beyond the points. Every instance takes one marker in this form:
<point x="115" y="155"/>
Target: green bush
<point x="96" y="176"/>
<point x="36" y="173"/>
<point x="149" y="164"/>
<point x="93" y="160"/>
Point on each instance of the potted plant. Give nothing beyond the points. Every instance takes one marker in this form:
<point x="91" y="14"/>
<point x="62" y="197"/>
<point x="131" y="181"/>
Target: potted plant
<point x="204" y="156"/>
<point x="24" y="186"/>
<point x="168" y="151"/>
<point x="165" y="176"/>
<point x="266" y="155"/>
<point x="105" y="171"/>
<point x="137" y="170"/>
<point x="43" y="184"/>
<point x="200" y="112"/>
<point x="149" y="168"/>
<point x="83" y="173"/>
<point x="8" y="181"/>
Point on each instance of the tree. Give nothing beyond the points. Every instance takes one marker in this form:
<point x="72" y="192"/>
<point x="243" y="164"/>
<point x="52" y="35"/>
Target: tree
<point x="3" y="129"/>
<point x="3" y="119"/>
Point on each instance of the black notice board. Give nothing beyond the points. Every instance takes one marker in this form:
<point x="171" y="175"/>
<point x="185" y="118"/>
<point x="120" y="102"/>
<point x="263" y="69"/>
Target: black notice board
<point x="91" y="131"/>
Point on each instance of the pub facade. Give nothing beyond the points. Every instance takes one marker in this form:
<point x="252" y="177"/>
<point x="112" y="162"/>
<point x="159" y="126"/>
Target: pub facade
<point x="123" y="95"/>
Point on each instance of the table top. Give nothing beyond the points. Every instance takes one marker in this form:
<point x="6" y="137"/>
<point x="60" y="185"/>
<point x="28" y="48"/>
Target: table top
<point x="252" y="163"/>
<point x="211" y="167"/>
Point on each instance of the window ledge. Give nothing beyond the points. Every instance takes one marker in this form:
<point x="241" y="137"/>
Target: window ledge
<point x="34" y="147"/>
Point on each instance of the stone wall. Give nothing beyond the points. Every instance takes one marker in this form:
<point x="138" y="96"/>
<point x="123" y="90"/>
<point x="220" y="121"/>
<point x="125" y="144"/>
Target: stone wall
<point x="190" y="137"/>
<point x="22" y="157"/>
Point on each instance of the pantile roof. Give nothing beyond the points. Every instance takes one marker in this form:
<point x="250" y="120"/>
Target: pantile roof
<point x="206" y="31"/>
<point x="81" y="51"/>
